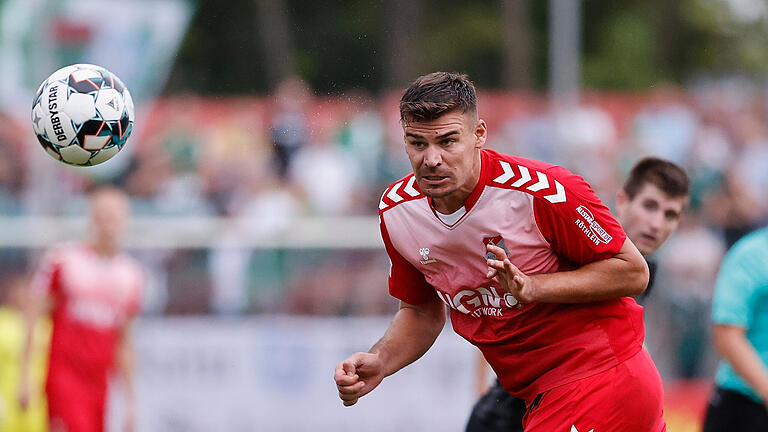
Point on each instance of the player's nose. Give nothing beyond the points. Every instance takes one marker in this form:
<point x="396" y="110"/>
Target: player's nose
<point x="432" y="156"/>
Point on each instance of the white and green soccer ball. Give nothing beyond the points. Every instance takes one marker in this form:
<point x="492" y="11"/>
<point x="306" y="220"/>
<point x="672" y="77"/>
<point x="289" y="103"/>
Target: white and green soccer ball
<point x="82" y="114"/>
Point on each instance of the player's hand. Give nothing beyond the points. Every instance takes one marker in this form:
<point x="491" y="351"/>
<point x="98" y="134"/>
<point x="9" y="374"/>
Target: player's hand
<point x="129" y="419"/>
<point x="357" y="376"/>
<point x="511" y="279"/>
<point x="24" y="394"/>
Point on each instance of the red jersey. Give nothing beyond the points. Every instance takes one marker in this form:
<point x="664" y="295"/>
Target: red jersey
<point x="547" y="219"/>
<point x="93" y="297"/>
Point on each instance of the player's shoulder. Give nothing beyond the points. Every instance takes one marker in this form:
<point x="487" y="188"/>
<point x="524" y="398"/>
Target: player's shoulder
<point x="130" y="263"/>
<point x="401" y="191"/>
<point x="752" y="244"/>
<point x="540" y="179"/>
<point x="62" y="251"/>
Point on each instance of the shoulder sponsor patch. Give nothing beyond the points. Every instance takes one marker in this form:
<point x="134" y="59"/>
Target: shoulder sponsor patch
<point x="590" y="227"/>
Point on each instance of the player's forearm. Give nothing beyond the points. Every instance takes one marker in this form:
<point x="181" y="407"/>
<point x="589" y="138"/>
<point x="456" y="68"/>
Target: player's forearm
<point x="26" y="353"/>
<point x="32" y="312"/>
<point x="624" y="274"/>
<point x="126" y="367"/>
<point x="412" y="332"/>
<point x="732" y="344"/>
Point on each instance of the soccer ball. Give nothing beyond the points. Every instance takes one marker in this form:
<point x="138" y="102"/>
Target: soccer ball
<point x="82" y="114"/>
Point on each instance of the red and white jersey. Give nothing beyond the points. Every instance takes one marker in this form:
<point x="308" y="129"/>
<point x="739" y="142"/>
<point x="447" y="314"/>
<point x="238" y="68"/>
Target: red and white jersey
<point x="547" y="219"/>
<point x="93" y="297"/>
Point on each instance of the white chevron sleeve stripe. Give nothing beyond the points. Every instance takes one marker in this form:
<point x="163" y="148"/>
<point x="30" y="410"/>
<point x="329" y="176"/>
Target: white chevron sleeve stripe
<point x="508" y="173"/>
<point x="558" y="196"/>
<point x="409" y="189"/>
<point x="393" y="195"/>
<point x="525" y="177"/>
<point x="543" y="182"/>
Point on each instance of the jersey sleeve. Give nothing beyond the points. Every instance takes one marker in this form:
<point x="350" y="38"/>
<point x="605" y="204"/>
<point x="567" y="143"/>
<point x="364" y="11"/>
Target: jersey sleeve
<point x="580" y="229"/>
<point x="406" y="283"/>
<point x="45" y="279"/>
<point x="740" y="276"/>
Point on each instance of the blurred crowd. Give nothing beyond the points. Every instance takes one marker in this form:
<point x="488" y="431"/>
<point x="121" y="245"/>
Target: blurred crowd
<point x="273" y="160"/>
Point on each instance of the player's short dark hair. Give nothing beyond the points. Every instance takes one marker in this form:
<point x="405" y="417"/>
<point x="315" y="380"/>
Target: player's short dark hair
<point x="435" y="94"/>
<point x="666" y="175"/>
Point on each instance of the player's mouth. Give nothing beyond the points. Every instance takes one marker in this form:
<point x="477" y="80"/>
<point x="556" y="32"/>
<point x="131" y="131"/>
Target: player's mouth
<point x="648" y="238"/>
<point x="434" y="180"/>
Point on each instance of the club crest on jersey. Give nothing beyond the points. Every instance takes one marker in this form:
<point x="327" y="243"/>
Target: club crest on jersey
<point x="590" y="227"/>
<point x="496" y="241"/>
<point x="424" y="252"/>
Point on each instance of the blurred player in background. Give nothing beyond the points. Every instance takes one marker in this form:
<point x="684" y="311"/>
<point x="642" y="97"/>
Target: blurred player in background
<point x="92" y="291"/>
<point x="649" y="208"/>
<point x="739" y="402"/>
<point x="534" y="268"/>
<point x="13" y="418"/>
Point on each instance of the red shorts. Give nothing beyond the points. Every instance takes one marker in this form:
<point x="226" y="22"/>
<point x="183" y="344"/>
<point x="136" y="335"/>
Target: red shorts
<point x="626" y="398"/>
<point x="73" y="404"/>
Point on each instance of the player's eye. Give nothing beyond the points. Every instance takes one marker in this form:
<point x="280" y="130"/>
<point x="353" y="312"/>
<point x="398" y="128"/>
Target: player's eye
<point x="448" y="141"/>
<point x="650" y="205"/>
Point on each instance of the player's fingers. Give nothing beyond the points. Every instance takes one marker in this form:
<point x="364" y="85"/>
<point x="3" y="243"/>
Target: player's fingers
<point x="347" y="380"/>
<point x="491" y="273"/>
<point x="351" y="390"/>
<point x="340" y="372"/>
<point x="510" y="268"/>
<point x="500" y="253"/>
<point x="495" y="264"/>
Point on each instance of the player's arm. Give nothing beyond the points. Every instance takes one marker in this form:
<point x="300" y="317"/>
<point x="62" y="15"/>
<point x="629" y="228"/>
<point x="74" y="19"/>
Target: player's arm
<point x="582" y="231"/>
<point x="624" y="274"/>
<point x="732" y="343"/>
<point x="36" y="305"/>
<point x="412" y="331"/>
<point x="125" y="369"/>
<point x="741" y="275"/>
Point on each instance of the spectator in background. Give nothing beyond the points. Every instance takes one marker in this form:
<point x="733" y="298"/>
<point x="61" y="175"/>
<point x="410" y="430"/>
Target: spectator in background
<point x="739" y="402"/>
<point x="13" y="299"/>
<point x="289" y="124"/>
<point x="12" y="175"/>
<point x="91" y="291"/>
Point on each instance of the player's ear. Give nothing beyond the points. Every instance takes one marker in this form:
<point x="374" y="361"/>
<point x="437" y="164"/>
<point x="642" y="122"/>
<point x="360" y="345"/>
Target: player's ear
<point x="481" y="133"/>
<point x="622" y="199"/>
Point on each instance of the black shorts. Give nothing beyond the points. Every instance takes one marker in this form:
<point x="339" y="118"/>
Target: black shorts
<point x="730" y="411"/>
<point x="497" y="410"/>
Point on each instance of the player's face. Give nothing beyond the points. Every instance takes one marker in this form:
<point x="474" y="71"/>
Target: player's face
<point x="650" y="217"/>
<point x="445" y="157"/>
<point x="109" y="214"/>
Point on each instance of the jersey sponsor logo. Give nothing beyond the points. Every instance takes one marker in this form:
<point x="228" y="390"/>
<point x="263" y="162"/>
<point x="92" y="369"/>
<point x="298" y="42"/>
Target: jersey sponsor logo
<point x="483" y="301"/>
<point x="424" y="252"/>
<point x="93" y="313"/>
<point x="542" y="181"/>
<point x="497" y="241"/>
<point x="590" y="227"/>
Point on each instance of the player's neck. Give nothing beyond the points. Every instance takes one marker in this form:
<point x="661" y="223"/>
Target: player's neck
<point x="105" y="248"/>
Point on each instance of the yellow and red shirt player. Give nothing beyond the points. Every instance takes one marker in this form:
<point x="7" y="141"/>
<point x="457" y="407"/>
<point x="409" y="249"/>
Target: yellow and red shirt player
<point x="91" y="291"/>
